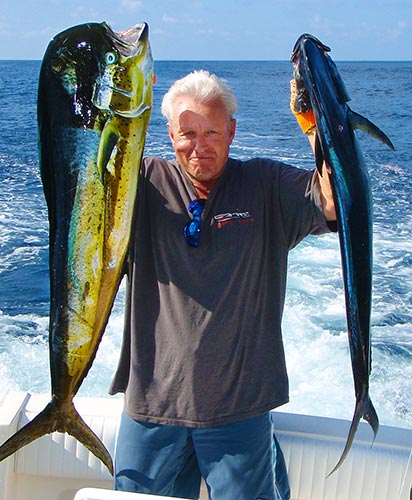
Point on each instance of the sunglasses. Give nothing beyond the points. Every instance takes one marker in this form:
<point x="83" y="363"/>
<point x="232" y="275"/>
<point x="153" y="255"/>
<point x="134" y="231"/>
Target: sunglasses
<point x="191" y="230"/>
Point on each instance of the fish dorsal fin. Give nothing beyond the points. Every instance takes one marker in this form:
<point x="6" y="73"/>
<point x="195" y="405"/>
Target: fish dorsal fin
<point x="361" y="123"/>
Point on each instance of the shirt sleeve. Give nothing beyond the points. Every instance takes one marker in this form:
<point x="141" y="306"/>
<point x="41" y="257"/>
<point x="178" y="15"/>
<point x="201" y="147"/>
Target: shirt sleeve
<point x="298" y="192"/>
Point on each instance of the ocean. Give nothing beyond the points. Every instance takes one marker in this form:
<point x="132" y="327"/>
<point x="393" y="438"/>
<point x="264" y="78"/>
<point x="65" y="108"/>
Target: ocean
<point x="314" y="325"/>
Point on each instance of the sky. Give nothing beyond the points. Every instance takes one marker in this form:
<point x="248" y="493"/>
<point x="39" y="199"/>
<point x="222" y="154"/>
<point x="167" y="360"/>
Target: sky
<point x="220" y="29"/>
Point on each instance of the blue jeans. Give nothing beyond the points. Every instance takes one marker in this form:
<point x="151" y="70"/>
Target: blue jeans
<point x="282" y="487"/>
<point x="236" y="460"/>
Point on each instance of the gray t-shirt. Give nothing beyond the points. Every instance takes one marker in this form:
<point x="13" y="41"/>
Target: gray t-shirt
<point x="202" y="341"/>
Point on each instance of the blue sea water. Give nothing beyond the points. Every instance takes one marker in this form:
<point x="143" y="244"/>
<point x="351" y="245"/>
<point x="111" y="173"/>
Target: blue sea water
<point x="314" y="321"/>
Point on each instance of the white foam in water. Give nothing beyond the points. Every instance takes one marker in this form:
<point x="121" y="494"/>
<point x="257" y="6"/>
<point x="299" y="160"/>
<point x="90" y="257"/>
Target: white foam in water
<point x="24" y="358"/>
<point x="314" y="325"/>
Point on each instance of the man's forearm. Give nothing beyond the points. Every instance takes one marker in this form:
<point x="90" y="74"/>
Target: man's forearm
<point x="327" y="200"/>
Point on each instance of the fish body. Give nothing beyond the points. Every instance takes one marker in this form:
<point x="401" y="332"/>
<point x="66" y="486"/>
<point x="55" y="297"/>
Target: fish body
<point x="94" y="104"/>
<point x="321" y="88"/>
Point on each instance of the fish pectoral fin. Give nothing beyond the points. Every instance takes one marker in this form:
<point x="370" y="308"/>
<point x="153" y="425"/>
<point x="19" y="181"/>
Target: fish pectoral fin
<point x="359" y="122"/>
<point x="56" y="418"/>
<point x="107" y="145"/>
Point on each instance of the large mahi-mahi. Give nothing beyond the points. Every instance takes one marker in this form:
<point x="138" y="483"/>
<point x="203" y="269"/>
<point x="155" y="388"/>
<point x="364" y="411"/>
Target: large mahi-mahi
<point x="321" y="88"/>
<point x="94" y="104"/>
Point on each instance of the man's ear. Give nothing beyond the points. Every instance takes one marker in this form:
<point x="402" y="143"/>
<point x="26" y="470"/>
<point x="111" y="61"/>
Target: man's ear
<point x="232" y="129"/>
<point x="170" y="131"/>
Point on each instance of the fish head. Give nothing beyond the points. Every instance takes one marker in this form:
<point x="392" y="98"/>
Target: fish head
<point x="92" y="70"/>
<point x="72" y="63"/>
<point x="298" y="50"/>
<point x="124" y="87"/>
<point x="299" y="59"/>
<point x="310" y="56"/>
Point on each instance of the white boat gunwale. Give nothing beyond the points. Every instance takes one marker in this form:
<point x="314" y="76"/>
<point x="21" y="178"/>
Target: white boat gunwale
<point x="56" y="466"/>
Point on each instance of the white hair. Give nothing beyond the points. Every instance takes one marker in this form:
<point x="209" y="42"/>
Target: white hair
<point x="202" y="86"/>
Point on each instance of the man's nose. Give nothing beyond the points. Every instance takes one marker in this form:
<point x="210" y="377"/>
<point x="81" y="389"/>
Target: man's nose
<point x="201" y="142"/>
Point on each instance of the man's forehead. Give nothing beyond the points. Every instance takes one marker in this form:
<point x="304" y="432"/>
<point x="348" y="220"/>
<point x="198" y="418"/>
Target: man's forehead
<point x="188" y="109"/>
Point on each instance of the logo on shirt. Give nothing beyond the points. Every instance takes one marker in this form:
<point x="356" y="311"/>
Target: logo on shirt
<point x="227" y="218"/>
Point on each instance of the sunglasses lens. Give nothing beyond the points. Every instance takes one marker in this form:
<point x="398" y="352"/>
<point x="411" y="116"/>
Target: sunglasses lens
<point x="191" y="230"/>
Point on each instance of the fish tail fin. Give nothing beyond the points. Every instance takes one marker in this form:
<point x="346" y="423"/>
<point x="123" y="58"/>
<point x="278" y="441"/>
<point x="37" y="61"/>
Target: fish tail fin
<point x="42" y="424"/>
<point x="363" y="409"/>
<point x="370" y="415"/>
<point x="353" y="427"/>
<point x="361" y="123"/>
<point x="54" y="418"/>
<point x="76" y="427"/>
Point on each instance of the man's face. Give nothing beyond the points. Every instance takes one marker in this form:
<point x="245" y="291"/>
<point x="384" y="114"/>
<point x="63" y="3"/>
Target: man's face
<point x="201" y="135"/>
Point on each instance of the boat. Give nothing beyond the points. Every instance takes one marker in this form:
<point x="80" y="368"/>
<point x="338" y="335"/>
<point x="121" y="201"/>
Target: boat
<point x="57" y="467"/>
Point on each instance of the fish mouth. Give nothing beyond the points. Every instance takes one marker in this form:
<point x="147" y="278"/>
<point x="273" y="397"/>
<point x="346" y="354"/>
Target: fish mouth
<point x="132" y="43"/>
<point x="298" y="45"/>
<point x="128" y="42"/>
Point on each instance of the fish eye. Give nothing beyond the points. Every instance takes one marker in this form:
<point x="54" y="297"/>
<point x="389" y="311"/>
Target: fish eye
<point x="110" y="57"/>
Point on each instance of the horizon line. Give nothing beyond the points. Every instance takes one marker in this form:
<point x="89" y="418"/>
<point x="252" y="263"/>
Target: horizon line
<point x="10" y="59"/>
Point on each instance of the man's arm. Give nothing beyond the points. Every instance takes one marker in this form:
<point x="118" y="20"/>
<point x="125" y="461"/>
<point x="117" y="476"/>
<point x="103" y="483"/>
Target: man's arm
<point x="328" y="203"/>
<point x="307" y="123"/>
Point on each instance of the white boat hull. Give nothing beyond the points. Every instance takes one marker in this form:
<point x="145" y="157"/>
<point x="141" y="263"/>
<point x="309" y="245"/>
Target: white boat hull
<point x="56" y="466"/>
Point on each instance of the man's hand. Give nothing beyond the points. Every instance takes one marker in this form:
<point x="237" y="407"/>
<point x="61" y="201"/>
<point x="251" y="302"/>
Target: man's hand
<point x="307" y="123"/>
<point x="306" y="120"/>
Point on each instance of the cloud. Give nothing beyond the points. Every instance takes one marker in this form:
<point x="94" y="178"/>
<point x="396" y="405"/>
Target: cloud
<point x="132" y="5"/>
<point x="82" y="14"/>
<point x="182" y="20"/>
<point x="157" y="31"/>
<point x="169" y="19"/>
<point x="400" y="28"/>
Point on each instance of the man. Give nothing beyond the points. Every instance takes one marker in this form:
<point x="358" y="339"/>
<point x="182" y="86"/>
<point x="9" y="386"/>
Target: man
<point x="202" y="360"/>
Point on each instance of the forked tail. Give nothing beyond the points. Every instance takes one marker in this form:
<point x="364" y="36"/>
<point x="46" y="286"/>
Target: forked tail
<point x="56" y="418"/>
<point x="363" y="409"/>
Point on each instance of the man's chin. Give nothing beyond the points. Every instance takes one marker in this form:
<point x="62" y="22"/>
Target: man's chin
<point x="204" y="170"/>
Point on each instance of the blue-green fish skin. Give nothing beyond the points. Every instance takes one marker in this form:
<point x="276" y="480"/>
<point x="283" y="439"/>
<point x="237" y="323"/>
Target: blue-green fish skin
<point x="321" y="88"/>
<point x="94" y="104"/>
